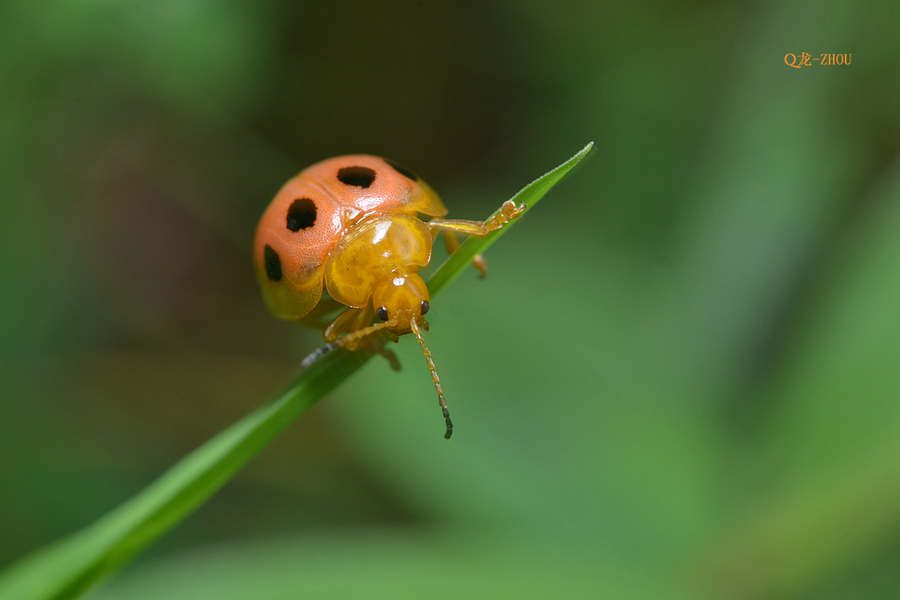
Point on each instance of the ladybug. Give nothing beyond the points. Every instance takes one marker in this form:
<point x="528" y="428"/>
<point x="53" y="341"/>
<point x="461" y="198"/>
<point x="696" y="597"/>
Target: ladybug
<point x="350" y="225"/>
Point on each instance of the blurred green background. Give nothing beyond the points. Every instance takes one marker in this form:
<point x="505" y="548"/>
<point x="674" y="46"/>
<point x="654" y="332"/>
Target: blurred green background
<point x="680" y="379"/>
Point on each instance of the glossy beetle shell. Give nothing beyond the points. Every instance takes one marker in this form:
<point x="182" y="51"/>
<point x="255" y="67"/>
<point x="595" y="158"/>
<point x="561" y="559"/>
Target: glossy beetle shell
<point x="315" y="211"/>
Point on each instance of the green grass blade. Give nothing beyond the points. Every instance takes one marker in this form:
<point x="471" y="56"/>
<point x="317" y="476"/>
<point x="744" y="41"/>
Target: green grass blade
<point x="67" y="568"/>
<point x="71" y="566"/>
<point x="456" y="263"/>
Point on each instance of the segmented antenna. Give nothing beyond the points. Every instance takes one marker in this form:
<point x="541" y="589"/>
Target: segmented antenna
<point x="346" y="341"/>
<point x="343" y="342"/>
<point x="317" y="354"/>
<point x="434" y="377"/>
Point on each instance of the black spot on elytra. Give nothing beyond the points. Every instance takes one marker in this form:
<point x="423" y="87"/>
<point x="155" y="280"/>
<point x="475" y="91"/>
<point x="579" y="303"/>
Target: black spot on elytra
<point x="402" y="170"/>
<point x="273" y="264"/>
<point x="301" y="214"/>
<point x="358" y="176"/>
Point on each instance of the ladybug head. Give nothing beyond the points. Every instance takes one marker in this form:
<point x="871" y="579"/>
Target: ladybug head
<point x="400" y="299"/>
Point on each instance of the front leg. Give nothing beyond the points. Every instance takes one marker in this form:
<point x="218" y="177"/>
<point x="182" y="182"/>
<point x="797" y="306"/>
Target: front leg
<point x="453" y="227"/>
<point x="507" y="213"/>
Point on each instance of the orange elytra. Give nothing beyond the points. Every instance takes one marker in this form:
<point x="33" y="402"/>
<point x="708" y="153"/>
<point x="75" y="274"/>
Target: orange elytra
<point x="350" y="225"/>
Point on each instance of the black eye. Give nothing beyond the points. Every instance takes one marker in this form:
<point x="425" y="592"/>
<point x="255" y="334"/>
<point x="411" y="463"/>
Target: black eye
<point x="381" y="313"/>
<point x="425" y="306"/>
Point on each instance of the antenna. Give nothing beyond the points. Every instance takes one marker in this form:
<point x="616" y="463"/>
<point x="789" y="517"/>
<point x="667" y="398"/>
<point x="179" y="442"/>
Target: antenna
<point x="317" y="354"/>
<point x="343" y="343"/>
<point x="434" y="376"/>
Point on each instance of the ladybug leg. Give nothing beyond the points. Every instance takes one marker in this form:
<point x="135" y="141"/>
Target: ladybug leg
<point x="507" y="213"/>
<point x="451" y="240"/>
<point x="453" y="227"/>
